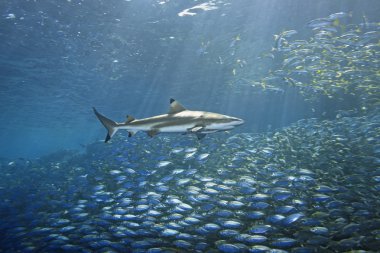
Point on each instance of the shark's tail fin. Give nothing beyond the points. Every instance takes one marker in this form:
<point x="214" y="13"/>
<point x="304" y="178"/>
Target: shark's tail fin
<point x="110" y="125"/>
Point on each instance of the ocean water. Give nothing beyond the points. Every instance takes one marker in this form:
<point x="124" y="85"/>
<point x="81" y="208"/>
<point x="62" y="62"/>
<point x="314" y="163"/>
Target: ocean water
<point x="302" y="174"/>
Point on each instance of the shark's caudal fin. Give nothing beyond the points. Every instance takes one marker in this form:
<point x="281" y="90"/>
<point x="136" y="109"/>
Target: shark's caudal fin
<point x="110" y="125"/>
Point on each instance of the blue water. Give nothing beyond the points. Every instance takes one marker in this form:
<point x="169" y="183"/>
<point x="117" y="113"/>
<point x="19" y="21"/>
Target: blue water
<point x="305" y="162"/>
<point x="58" y="59"/>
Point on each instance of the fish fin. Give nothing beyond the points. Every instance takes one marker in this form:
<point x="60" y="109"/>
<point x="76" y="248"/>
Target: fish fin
<point x="195" y="129"/>
<point x="200" y="136"/>
<point x="131" y="133"/>
<point x="152" y="132"/>
<point x="108" y="137"/>
<point x="109" y="124"/>
<point x="129" y="119"/>
<point x="175" y="107"/>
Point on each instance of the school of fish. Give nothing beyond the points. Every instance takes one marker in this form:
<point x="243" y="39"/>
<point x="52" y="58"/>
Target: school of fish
<point x="339" y="60"/>
<point x="310" y="187"/>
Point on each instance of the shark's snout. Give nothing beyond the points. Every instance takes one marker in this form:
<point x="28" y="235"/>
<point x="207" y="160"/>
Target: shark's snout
<point x="237" y="122"/>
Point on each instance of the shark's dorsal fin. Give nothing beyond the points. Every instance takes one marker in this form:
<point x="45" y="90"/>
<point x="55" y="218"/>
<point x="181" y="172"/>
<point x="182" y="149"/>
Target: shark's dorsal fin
<point x="175" y="107"/>
<point x="129" y="119"/>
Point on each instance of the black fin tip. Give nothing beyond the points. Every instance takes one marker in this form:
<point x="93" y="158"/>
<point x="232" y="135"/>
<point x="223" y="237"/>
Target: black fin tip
<point x="108" y="137"/>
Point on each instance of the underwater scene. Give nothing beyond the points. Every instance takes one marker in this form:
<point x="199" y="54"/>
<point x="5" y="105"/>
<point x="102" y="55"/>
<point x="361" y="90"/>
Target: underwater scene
<point x="190" y="126"/>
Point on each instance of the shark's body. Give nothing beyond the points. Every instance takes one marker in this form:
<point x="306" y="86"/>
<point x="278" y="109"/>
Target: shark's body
<point x="177" y="120"/>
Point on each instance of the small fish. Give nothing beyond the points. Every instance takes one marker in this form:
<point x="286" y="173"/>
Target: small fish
<point x="339" y="15"/>
<point x="289" y="33"/>
<point x="163" y="164"/>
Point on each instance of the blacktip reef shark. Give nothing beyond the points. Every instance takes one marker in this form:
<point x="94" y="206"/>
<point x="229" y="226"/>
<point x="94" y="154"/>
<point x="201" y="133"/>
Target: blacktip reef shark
<point x="177" y="120"/>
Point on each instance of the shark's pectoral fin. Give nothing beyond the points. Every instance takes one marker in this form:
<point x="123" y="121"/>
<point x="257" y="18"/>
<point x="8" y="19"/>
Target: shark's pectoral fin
<point x="196" y="129"/>
<point x="152" y="132"/>
<point x="200" y="136"/>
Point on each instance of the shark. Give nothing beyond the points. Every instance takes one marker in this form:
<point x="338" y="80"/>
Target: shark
<point x="178" y="120"/>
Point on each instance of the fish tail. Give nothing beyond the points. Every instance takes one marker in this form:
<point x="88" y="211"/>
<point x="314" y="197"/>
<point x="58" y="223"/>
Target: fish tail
<point x="109" y="124"/>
